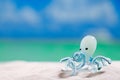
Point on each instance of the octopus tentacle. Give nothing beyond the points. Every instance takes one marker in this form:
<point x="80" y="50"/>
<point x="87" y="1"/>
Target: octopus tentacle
<point x="83" y="61"/>
<point x="103" y="58"/>
<point x="98" y="65"/>
<point x="65" y="59"/>
<point x="73" y="67"/>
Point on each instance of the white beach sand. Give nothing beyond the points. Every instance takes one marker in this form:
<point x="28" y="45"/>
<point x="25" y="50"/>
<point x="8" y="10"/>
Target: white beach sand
<point x="21" y="70"/>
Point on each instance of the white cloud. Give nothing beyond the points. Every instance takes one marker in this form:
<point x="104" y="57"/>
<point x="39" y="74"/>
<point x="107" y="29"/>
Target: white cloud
<point x="82" y="10"/>
<point x="9" y="13"/>
<point x="101" y="34"/>
<point x="28" y="15"/>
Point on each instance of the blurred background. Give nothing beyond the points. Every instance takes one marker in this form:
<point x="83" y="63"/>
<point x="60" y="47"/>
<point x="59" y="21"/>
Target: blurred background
<point x="48" y="30"/>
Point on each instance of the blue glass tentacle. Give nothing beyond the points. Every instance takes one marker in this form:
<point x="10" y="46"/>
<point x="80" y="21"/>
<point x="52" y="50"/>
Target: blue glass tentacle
<point x="103" y="62"/>
<point x="78" y="57"/>
<point x="73" y="67"/>
<point x="65" y="59"/>
<point x="83" y="61"/>
<point x="98" y="65"/>
<point x="102" y="57"/>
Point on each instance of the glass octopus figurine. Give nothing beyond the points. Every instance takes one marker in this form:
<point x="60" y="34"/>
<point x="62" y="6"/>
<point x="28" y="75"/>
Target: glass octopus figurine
<point x="83" y="59"/>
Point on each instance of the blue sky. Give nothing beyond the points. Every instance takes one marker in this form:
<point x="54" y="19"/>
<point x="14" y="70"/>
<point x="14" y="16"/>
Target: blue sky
<point x="59" y="18"/>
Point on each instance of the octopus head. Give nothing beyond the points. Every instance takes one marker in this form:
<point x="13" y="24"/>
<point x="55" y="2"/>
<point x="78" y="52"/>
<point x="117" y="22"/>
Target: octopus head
<point x="88" y="45"/>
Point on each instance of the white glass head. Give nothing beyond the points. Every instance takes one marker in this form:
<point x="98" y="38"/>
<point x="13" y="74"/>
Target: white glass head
<point x="88" y="45"/>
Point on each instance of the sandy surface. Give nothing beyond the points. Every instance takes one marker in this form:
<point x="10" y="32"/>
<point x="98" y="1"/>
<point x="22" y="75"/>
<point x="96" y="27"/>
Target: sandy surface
<point x="20" y="70"/>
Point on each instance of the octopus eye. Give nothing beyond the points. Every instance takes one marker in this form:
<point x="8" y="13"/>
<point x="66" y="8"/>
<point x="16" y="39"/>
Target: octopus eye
<point x="80" y="49"/>
<point x="86" y="48"/>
